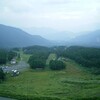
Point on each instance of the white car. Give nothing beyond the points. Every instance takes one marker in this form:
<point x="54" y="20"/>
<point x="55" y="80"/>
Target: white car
<point x="15" y="72"/>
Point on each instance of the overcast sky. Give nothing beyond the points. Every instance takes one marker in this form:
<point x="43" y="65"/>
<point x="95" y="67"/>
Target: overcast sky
<point x="67" y="15"/>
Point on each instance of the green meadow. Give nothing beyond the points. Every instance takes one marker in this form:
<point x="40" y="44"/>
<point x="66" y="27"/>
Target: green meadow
<point x="73" y="83"/>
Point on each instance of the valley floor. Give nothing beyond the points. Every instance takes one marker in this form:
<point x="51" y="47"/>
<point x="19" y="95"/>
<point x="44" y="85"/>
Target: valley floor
<point x="72" y="83"/>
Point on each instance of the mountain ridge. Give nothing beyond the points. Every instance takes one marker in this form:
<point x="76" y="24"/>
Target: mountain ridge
<point x="91" y="39"/>
<point x="16" y="37"/>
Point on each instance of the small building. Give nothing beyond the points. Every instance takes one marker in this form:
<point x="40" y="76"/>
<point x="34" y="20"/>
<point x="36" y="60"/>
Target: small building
<point x="13" y="61"/>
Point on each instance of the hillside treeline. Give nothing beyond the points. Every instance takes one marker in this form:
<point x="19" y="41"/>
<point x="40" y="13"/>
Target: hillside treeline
<point x="86" y="56"/>
<point x="36" y="49"/>
<point x="39" y="57"/>
<point x="6" y="56"/>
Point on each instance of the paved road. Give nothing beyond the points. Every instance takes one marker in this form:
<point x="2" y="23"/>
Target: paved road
<point x="21" y="66"/>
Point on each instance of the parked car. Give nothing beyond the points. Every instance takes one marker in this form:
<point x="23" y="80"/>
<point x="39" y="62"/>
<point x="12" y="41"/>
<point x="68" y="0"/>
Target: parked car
<point x="15" y="73"/>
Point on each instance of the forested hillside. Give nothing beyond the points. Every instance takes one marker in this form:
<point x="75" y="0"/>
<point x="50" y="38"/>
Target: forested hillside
<point x="6" y="56"/>
<point x="85" y="56"/>
<point x="14" y="37"/>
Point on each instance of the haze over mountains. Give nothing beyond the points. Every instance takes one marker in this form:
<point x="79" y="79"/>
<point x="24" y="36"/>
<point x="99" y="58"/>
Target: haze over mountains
<point x="90" y="39"/>
<point x="51" y="34"/>
<point x="15" y="37"/>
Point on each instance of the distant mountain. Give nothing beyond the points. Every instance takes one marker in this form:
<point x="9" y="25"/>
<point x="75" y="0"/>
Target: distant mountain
<point x="15" y="37"/>
<point x="91" y="39"/>
<point x="50" y="33"/>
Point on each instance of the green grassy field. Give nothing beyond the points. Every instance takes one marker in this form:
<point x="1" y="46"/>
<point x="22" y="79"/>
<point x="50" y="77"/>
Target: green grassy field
<point x="72" y="83"/>
<point x="24" y="56"/>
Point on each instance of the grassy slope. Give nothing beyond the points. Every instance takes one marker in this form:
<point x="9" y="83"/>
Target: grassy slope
<point x="24" y="57"/>
<point x="51" y="57"/>
<point x="73" y="82"/>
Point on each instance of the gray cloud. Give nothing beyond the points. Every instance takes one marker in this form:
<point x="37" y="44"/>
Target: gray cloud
<point x="70" y="15"/>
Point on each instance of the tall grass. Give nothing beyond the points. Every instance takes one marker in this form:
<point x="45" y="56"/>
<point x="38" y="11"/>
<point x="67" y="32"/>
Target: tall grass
<point x="73" y="83"/>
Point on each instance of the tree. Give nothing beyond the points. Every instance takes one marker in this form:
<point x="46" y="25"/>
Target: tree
<point x="11" y="55"/>
<point x="37" y="64"/>
<point x="3" y="56"/>
<point x="56" y="65"/>
<point x="18" y="55"/>
<point x="2" y="75"/>
<point x="37" y="60"/>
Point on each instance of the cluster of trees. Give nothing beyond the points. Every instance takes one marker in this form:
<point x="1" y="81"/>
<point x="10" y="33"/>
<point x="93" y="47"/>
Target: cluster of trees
<point x="11" y="55"/>
<point x="6" y="56"/>
<point x="88" y="57"/>
<point x="3" y="57"/>
<point x="2" y="75"/>
<point x="36" y="49"/>
<point x="38" y="60"/>
<point x="56" y="65"/>
<point x="39" y="57"/>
